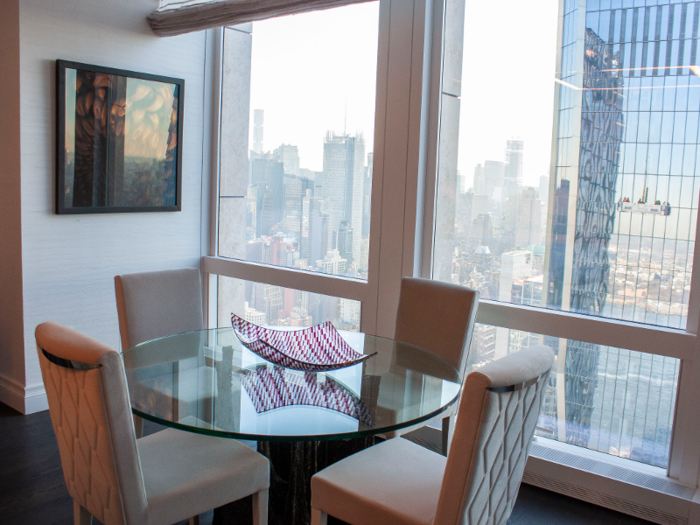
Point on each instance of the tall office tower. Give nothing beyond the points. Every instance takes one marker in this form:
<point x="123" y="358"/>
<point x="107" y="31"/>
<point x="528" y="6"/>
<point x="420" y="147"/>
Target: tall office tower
<point x="314" y="245"/>
<point x="344" y="242"/>
<point x="479" y="184"/>
<point x="482" y="231"/>
<point x="258" y="121"/>
<point x="621" y="148"/>
<point x="513" y="177"/>
<point x="288" y="155"/>
<point x="480" y="205"/>
<point x="510" y="218"/>
<point x="528" y="226"/>
<point x="494" y="175"/>
<point x="463" y="215"/>
<point x="595" y="159"/>
<point x="343" y="183"/>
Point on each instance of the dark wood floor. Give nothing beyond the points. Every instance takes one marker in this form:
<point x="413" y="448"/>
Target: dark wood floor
<point x="32" y="490"/>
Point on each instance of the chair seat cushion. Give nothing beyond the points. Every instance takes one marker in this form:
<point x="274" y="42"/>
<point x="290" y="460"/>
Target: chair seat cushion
<point x="186" y="474"/>
<point x="395" y="482"/>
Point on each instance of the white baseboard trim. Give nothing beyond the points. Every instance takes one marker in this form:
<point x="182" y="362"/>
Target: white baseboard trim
<point x="26" y="400"/>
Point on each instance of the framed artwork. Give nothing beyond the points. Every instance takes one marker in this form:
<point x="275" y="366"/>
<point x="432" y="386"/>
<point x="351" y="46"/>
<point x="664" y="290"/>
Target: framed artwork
<point x="119" y="137"/>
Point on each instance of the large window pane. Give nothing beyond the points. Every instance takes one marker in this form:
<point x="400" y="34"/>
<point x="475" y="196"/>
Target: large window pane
<point x="612" y="400"/>
<point x="268" y="305"/>
<point x="297" y="129"/>
<point x="576" y="185"/>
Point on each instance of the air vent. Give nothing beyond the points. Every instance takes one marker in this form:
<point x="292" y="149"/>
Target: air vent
<point x="570" y="484"/>
<point x="663" y="485"/>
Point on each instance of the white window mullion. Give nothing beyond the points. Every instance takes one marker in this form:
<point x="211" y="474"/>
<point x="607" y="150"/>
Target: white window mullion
<point x="399" y="156"/>
<point x="344" y="287"/>
<point x="596" y="330"/>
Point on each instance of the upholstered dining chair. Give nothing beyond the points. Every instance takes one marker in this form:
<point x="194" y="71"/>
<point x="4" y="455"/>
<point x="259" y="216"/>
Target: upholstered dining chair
<point x="160" y="479"/>
<point x="438" y="317"/>
<point x="399" y="482"/>
<point x="156" y="304"/>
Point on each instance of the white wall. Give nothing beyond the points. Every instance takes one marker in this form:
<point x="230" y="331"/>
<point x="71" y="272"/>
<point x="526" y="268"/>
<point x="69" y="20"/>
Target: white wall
<point x="69" y="262"/>
<point x="11" y="324"/>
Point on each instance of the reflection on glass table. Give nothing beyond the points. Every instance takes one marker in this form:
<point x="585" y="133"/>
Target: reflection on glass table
<point x="208" y="382"/>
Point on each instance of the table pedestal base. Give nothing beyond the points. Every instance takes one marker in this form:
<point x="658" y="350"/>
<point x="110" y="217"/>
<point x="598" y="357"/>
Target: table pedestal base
<point x="292" y="465"/>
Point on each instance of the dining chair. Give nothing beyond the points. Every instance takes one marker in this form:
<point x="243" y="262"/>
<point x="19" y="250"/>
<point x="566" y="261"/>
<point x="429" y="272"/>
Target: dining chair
<point x="438" y="317"/>
<point x="399" y="482"/>
<point x="156" y="304"/>
<point x="160" y="479"/>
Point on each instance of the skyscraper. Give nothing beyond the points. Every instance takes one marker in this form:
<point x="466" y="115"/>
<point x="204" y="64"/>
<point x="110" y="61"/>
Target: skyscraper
<point x="343" y="184"/>
<point x="625" y="143"/>
<point x="513" y="176"/>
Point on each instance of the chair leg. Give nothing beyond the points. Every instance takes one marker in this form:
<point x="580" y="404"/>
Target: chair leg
<point x="81" y="516"/>
<point x="318" y="517"/>
<point x="138" y="426"/>
<point x="194" y="520"/>
<point x="446" y="434"/>
<point x="260" y="504"/>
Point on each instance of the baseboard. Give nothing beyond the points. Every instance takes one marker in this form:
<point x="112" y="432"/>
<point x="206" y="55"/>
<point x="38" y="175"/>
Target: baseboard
<point x="26" y="400"/>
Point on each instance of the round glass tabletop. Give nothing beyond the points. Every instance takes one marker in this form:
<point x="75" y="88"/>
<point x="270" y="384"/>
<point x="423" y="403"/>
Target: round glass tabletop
<point x="208" y="382"/>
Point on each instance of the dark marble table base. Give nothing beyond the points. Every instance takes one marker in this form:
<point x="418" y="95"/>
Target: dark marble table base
<point x="292" y="465"/>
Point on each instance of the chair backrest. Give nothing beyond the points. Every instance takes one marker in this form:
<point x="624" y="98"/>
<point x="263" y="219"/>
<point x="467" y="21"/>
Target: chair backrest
<point x="498" y="411"/>
<point x="156" y="304"/>
<point x="91" y="417"/>
<point x="438" y="317"/>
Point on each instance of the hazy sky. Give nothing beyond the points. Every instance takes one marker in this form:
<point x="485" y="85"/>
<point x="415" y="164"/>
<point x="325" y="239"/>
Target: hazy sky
<point x="508" y="83"/>
<point x="317" y="72"/>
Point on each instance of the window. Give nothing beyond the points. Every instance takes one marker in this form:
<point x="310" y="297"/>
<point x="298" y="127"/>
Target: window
<point x="574" y="188"/>
<point x="303" y="185"/>
<point x="545" y="156"/>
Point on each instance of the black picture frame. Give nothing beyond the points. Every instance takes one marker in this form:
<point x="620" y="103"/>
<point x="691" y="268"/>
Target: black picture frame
<point x="119" y="140"/>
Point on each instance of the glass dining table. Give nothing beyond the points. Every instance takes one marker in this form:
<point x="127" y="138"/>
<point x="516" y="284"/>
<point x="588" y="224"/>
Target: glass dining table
<point x="208" y="382"/>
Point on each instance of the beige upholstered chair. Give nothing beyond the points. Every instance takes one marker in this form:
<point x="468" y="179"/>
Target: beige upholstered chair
<point x="156" y="304"/>
<point x="160" y="479"/>
<point x="399" y="482"/>
<point x="438" y="317"/>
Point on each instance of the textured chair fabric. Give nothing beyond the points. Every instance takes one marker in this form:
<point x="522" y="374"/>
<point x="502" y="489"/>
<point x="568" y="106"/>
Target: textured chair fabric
<point x="438" y="317"/>
<point x="166" y="477"/>
<point x="156" y="304"/>
<point x="399" y="482"/>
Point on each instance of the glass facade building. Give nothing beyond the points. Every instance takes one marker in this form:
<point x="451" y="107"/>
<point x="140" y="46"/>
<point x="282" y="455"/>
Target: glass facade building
<point x="624" y="206"/>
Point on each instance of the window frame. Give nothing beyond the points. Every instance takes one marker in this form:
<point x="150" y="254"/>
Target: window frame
<point x="414" y="38"/>
<point x="684" y="456"/>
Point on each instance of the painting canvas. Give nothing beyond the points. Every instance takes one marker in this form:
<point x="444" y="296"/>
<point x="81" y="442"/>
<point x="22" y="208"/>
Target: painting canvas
<point x="119" y="140"/>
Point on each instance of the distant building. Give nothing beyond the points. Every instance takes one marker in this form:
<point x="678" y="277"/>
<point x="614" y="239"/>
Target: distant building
<point x="332" y="263"/>
<point x="343" y="183"/>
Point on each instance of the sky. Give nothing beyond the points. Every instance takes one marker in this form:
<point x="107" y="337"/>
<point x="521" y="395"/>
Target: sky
<point x="317" y="72"/>
<point x="508" y="74"/>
